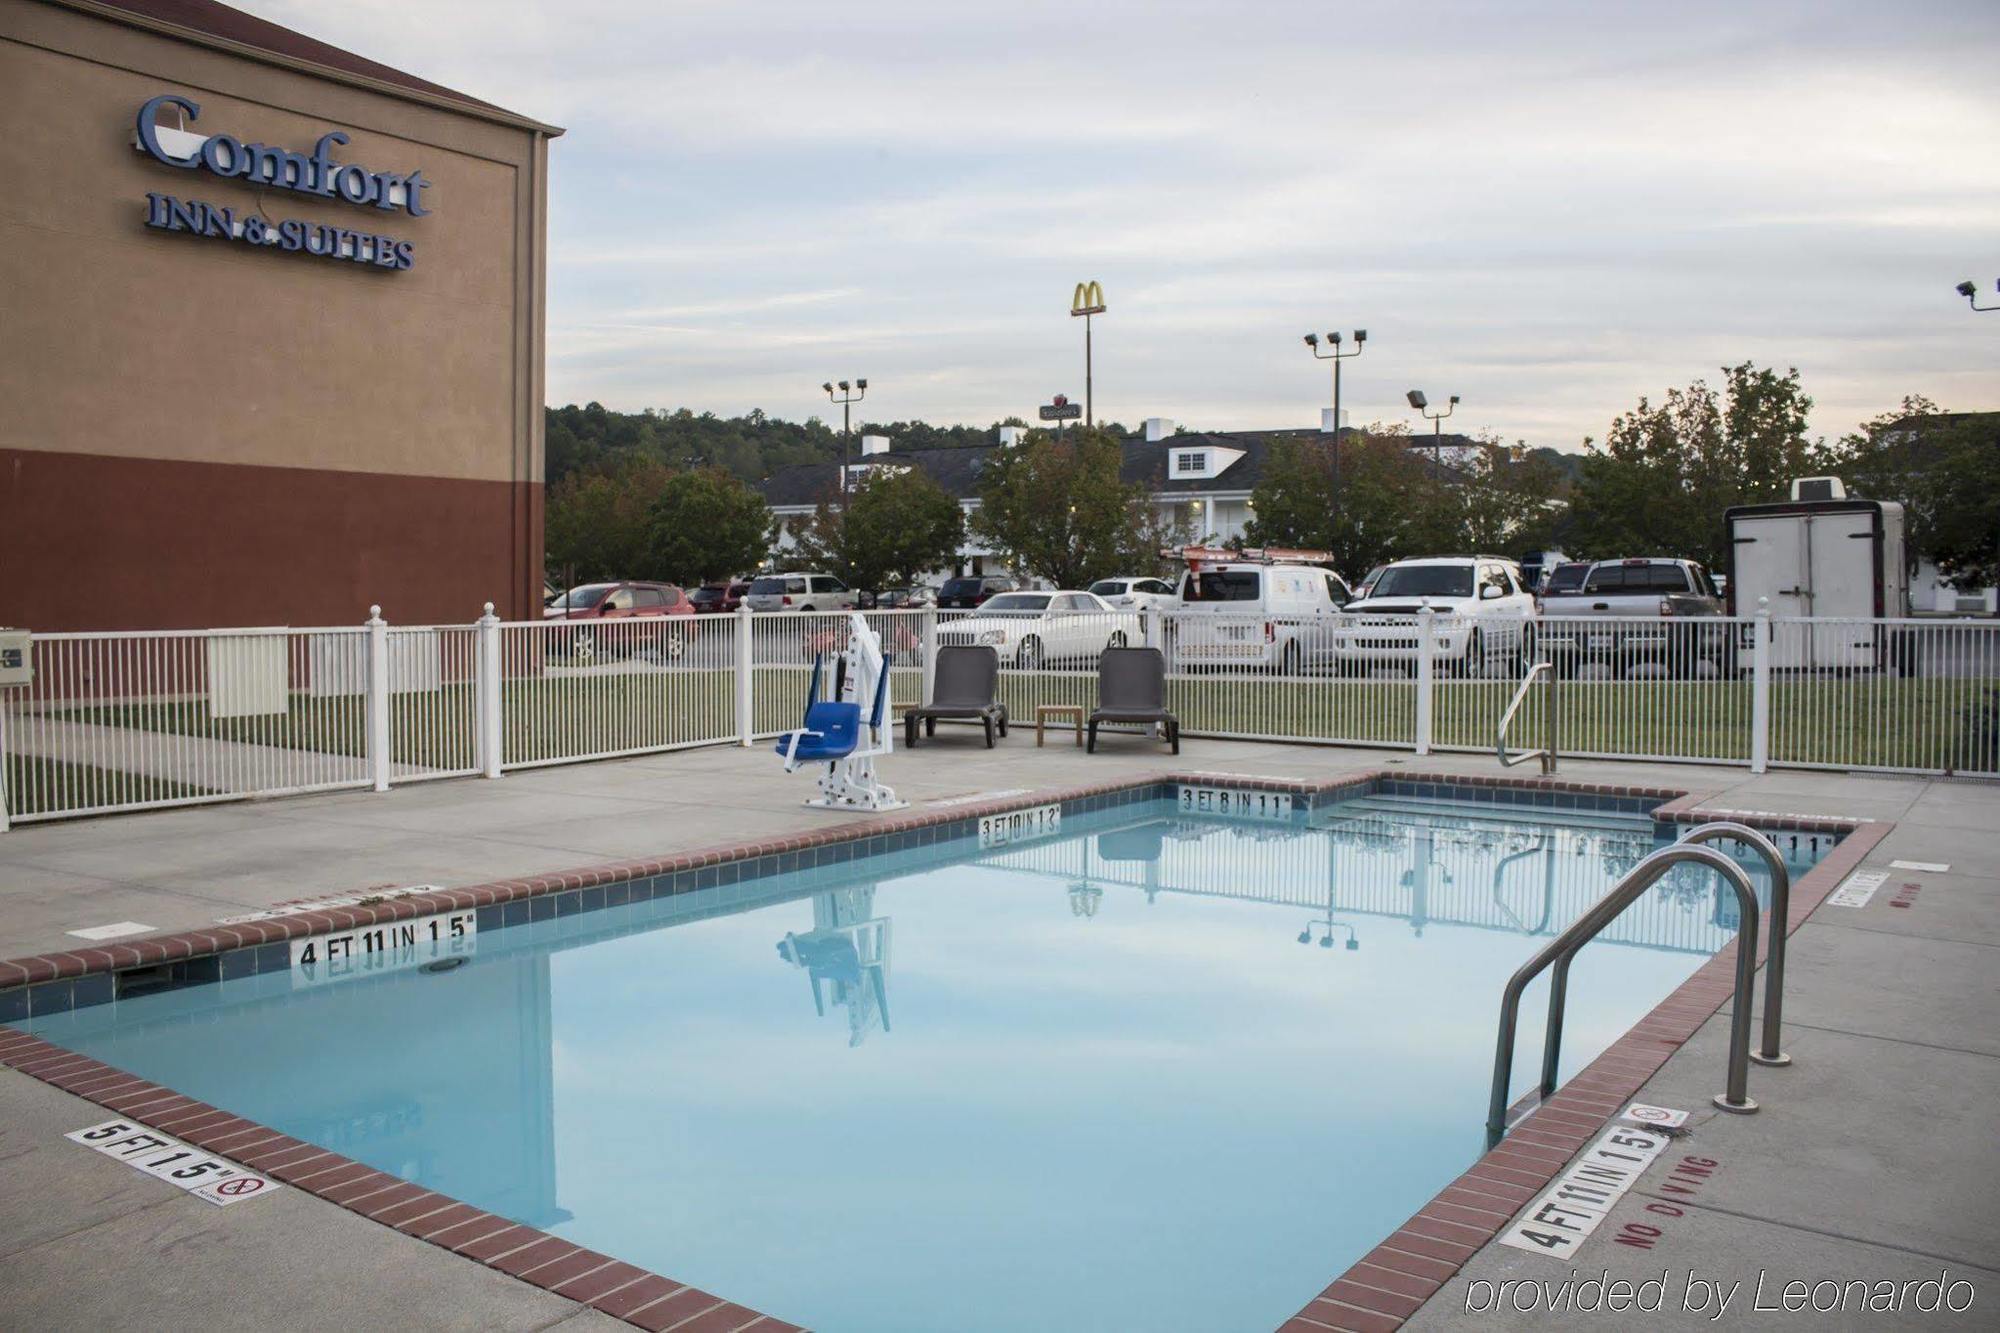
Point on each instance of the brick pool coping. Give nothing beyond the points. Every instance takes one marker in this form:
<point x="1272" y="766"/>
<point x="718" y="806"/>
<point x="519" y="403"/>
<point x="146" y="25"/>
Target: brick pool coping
<point x="1378" y="1292"/>
<point x="1390" y="1283"/>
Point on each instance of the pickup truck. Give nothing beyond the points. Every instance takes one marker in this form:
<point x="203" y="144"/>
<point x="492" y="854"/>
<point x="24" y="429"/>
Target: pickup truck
<point x="1648" y="611"/>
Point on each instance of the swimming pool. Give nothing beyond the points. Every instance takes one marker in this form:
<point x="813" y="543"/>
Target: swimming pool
<point x="1136" y="1067"/>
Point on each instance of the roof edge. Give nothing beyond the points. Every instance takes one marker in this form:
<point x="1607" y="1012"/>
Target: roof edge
<point x="462" y="106"/>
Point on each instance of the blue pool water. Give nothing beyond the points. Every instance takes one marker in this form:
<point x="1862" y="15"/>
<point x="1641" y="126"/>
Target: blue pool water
<point x="1153" y="1071"/>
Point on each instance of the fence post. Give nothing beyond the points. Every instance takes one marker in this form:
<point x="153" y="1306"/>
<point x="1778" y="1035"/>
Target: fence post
<point x="1156" y="631"/>
<point x="490" y="755"/>
<point x="378" y="699"/>
<point x="1426" y="667"/>
<point x="4" y="825"/>
<point x="746" y="722"/>
<point x="1760" y="688"/>
<point x="930" y="650"/>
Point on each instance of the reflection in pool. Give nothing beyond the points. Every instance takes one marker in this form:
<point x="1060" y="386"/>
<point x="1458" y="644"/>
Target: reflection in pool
<point x="1157" y="1071"/>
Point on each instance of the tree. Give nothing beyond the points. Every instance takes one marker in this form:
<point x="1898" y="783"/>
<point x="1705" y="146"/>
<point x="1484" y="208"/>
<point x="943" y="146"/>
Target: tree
<point x="1664" y="474"/>
<point x="703" y="524"/>
<point x="598" y="525"/>
<point x="1058" y="506"/>
<point x="1940" y="466"/>
<point x="1388" y="505"/>
<point x="897" y="523"/>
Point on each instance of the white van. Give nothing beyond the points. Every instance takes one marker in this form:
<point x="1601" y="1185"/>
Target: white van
<point x="1242" y="611"/>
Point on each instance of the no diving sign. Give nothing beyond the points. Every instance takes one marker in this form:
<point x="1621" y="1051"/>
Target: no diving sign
<point x="164" y="1157"/>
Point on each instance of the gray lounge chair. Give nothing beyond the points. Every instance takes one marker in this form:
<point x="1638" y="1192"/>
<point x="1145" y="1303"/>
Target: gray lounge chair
<point x="1132" y="687"/>
<point x="967" y="686"/>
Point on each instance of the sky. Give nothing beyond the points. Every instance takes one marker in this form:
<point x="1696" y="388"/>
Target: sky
<point x="1549" y="209"/>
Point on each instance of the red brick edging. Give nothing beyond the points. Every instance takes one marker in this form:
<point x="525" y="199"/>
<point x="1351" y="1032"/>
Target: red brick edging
<point x="1392" y="1281"/>
<point x="1376" y="1293"/>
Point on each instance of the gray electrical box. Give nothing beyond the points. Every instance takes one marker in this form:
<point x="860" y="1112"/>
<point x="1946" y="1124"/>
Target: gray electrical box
<point x="17" y="657"/>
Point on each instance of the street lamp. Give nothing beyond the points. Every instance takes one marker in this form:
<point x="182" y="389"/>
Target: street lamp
<point x="1087" y="300"/>
<point x="1336" y="355"/>
<point x="1971" y="295"/>
<point x="1422" y="404"/>
<point x="849" y="395"/>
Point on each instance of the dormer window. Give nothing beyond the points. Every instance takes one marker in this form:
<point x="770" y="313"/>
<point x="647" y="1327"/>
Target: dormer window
<point x="1200" y="464"/>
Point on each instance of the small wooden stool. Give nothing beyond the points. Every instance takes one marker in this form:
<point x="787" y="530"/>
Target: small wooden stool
<point x="1043" y="712"/>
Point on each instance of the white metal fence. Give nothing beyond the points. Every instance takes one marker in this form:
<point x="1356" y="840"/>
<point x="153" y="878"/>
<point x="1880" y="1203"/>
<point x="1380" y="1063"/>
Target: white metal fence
<point x="128" y="721"/>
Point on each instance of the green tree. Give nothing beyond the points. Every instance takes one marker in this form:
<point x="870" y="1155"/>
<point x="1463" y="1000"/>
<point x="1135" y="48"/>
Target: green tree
<point x="1389" y="504"/>
<point x="1940" y="466"/>
<point x="703" y="524"/>
<point x="1058" y="506"/>
<point x="598" y="525"/>
<point x="1662" y="477"/>
<point x="897" y="523"/>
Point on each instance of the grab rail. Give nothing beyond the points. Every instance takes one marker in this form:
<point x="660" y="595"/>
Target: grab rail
<point x="1547" y="754"/>
<point x="1767" y="1052"/>
<point x="1559" y="951"/>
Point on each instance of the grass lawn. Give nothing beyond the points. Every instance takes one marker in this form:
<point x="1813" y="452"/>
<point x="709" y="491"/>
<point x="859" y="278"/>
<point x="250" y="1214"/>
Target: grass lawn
<point x="1938" y="723"/>
<point x="44" y="786"/>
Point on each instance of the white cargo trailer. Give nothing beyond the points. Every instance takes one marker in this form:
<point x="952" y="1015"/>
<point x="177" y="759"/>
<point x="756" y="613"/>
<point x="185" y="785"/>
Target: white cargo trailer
<point x="1838" y="559"/>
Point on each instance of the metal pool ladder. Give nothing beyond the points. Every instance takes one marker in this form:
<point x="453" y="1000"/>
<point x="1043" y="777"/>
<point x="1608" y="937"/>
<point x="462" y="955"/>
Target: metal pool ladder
<point x="1564" y="948"/>
<point x="1547" y="754"/>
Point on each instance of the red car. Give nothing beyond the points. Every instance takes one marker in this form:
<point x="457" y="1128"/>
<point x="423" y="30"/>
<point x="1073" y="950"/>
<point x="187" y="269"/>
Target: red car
<point x="628" y="619"/>
<point x="719" y="598"/>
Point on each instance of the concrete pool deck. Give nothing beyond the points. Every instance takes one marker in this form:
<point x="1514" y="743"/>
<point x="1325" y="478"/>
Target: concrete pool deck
<point x="1909" y="992"/>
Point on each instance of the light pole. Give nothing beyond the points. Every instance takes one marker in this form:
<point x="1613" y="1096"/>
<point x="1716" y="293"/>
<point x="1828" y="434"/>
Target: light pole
<point x="1971" y="295"/>
<point x="1088" y="300"/>
<point x="1422" y="404"/>
<point x="1336" y="355"/>
<point x="849" y="395"/>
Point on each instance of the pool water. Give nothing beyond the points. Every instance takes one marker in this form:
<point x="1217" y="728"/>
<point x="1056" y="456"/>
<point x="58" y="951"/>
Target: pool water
<point x="1153" y="1071"/>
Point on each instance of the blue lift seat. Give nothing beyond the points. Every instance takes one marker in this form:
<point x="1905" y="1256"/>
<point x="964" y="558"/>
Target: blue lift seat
<point x="831" y="731"/>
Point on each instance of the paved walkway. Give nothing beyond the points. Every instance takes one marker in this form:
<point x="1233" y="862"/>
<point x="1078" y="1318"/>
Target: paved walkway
<point x="1874" y="1157"/>
<point x="1876" y="1146"/>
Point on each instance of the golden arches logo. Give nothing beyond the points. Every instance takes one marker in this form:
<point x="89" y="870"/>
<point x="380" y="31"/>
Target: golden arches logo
<point x="1088" y="300"/>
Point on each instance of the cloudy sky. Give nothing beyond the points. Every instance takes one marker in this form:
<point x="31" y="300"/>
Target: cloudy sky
<point x="1548" y="208"/>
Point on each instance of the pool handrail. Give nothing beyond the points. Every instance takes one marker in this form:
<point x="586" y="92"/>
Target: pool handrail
<point x="1767" y="1052"/>
<point x="1735" y="1097"/>
<point x="1547" y="754"/>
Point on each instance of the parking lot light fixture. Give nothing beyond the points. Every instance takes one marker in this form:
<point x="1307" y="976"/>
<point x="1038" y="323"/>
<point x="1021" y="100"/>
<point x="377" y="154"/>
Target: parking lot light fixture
<point x="849" y="395"/>
<point x="1970" y="291"/>
<point x="1336" y="355"/>
<point x="1422" y="405"/>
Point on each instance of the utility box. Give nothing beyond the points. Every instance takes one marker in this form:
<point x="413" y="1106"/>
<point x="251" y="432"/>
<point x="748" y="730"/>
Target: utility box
<point x="1833" y="559"/>
<point x="17" y="658"/>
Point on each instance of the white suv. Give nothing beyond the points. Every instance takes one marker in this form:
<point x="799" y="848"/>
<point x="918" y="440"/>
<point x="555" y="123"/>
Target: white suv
<point x="1135" y="594"/>
<point x="1485" y="613"/>
<point x="799" y="592"/>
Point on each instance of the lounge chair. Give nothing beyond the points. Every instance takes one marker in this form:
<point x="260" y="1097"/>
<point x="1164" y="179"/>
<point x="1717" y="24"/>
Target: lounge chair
<point x="967" y="686"/>
<point x="1132" y="687"/>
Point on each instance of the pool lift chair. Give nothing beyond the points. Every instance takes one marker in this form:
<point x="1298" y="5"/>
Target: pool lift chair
<point x="838" y="732"/>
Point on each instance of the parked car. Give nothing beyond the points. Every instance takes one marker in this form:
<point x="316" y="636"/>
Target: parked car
<point x="905" y="599"/>
<point x="1256" y="613"/>
<point x="719" y="598"/>
<point x="1135" y="594"/>
<point x="1564" y="578"/>
<point x="625" y="619"/>
<point x="1035" y="629"/>
<point x="1367" y="584"/>
<point x="1484" y="612"/>
<point x="800" y="592"/>
<point x="1651" y="609"/>
<point x="970" y="590"/>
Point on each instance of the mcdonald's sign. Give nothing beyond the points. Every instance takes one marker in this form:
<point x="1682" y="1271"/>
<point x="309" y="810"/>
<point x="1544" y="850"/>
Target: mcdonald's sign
<point x="1088" y="300"/>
